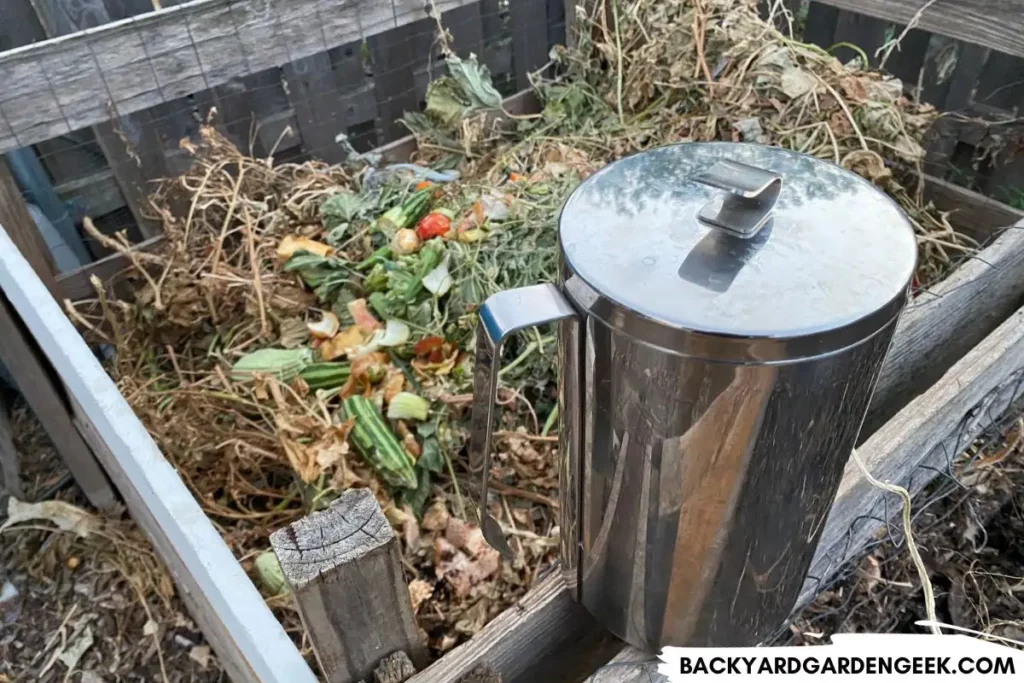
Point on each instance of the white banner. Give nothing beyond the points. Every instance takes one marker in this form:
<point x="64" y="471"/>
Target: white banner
<point x="853" y="658"/>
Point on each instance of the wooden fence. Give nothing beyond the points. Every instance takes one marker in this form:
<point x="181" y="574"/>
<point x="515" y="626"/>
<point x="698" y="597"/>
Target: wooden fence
<point x="956" y="363"/>
<point x="965" y="58"/>
<point x="103" y="91"/>
<point x="104" y="94"/>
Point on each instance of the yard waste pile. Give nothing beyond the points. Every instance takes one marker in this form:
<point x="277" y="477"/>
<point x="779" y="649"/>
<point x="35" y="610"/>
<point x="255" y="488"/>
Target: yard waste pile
<point x="307" y="328"/>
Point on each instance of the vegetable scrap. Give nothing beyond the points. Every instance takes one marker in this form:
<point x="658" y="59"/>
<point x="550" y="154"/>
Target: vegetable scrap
<point x="308" y="328"/>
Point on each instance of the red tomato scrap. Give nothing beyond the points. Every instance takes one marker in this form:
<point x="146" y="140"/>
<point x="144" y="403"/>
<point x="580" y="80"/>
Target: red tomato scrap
<point x="433" y="225"/>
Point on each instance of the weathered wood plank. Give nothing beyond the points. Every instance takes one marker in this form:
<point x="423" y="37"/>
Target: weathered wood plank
<point x="867" y="33"/>
<point x="314" y="97"/>
<point x="820" y="26"/>
<point x="972" y="213"/>
<point x="947" y="320"/>
<point x="919" y="444"/>
<point x="344" y="567"/>
<point x="10" y="466"/>
<point x="247" y="638"/>
<point x="22" y="229"/>
<point x="525" y="641"/>
<point x="29" y="369"/>
<point x="946" y="132"/>
<point x="395" y="56"/>
<point x="998" y="24"/>
<point x="132" y="163"/>
<point x="64" y="84"/>
<point x="529" y="38"/>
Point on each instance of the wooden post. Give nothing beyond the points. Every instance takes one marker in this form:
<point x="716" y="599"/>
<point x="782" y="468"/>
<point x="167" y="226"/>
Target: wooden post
<point x="8" y="455"/>
<point x="32" y="375"/>
<point x="15" y="219"/>
<point x="344" y="567"/>
<point x="132" y="168"/>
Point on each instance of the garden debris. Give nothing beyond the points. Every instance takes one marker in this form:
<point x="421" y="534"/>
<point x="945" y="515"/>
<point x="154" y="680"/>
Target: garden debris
<point x="308" y="328"/>
<point x="67" y="517"/>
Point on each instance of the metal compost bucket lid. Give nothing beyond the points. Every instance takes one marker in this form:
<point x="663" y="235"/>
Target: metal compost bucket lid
<point x="737" y="252"/>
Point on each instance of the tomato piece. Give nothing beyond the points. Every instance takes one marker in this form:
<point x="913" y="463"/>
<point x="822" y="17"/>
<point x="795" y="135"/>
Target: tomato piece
<point x="426" y="345"/>
<point x="433" y="225"/>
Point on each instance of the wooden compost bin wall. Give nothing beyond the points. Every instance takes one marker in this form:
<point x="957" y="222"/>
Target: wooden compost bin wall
<point x="358" y="87"/>
<point x="965" y="58"/>
<point x="964" y="331"/>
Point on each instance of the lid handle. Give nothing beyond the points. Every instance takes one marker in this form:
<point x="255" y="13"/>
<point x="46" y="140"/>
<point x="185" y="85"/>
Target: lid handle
<point x="748" y="205"/>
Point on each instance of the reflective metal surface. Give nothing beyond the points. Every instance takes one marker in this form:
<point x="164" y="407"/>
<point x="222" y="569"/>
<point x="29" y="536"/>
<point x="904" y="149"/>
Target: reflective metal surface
<point x="501" y="315"/>
<point x="751" y="197"/>
<point x="839" y="251"/>
<point x="702" y="486"/>
<point x="712" y="386"/>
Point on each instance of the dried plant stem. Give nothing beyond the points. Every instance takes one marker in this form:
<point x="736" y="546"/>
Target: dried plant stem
<point x="908" y="533"/>
<point x="227" y="219"/>
<point x="619" y="57"/>
<point x="893" y="44"/>
<point x="257" y="277"/>
<point x="134" y="255"/>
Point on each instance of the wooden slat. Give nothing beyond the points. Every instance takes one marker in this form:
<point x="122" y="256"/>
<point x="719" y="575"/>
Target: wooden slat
<point x="820" y="26"/>
<point x="529" y="38"/>
<point x="919" y="444"/>
<point x="867" y="33"/>
<point x="947" y="320"/>
<point x="998" y="24"/>
<point x="122" y="141"/>
<point x="314" y="97"/>
<point x="972" y="394"/>
<point x="395" y="56"/>
<point x="972" y="213"/>
<point x="64" y="84"/>
<point x="31" y="373"/>
<point x="10" y="465"/>
<point x="527" y="639"/>
<point x="15" y="217"/>
<point x="247" y="638"/>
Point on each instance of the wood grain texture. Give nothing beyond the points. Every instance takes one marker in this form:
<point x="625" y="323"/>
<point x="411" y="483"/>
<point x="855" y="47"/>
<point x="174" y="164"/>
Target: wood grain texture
<point x="122" y="139"/>
<point x="998" y="24"/>
<point x="946" y="321"/>
<point x="15" y="219"/>
<point x="546" y="636"/>
<point x="972" y="213"/>
<point x="246" y="636"/>
<point x="29" y="368"/>
<point x="529" y="38"/>
<point x="345" y="570"/>
<point x="10" y="466"/>
<point x="919" y="443"/>
<point x="64" y="84"/>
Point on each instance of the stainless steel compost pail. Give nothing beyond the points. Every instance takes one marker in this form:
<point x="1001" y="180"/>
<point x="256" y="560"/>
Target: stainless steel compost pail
<point x="724" y="311"/>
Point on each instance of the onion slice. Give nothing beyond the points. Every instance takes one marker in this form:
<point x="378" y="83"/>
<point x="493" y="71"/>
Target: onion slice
<point x="439" y="280"/>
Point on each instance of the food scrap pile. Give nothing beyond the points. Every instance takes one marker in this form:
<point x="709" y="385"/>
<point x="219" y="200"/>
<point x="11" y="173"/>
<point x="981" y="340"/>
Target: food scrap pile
<point x="307" y="328"/>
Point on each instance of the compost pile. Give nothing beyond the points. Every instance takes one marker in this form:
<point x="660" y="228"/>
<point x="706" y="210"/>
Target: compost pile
<point x="305" y="329"/>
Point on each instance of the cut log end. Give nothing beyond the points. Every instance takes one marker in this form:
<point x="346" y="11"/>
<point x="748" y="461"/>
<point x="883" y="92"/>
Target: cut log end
<point x="395" y="668"/>
<point x="353" y="526"/>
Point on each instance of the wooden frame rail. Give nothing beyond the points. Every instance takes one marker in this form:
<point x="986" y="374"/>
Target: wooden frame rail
<point x="996" y="24"/>
<point x="247" y="637"/>
<point x="61" y="85"/>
